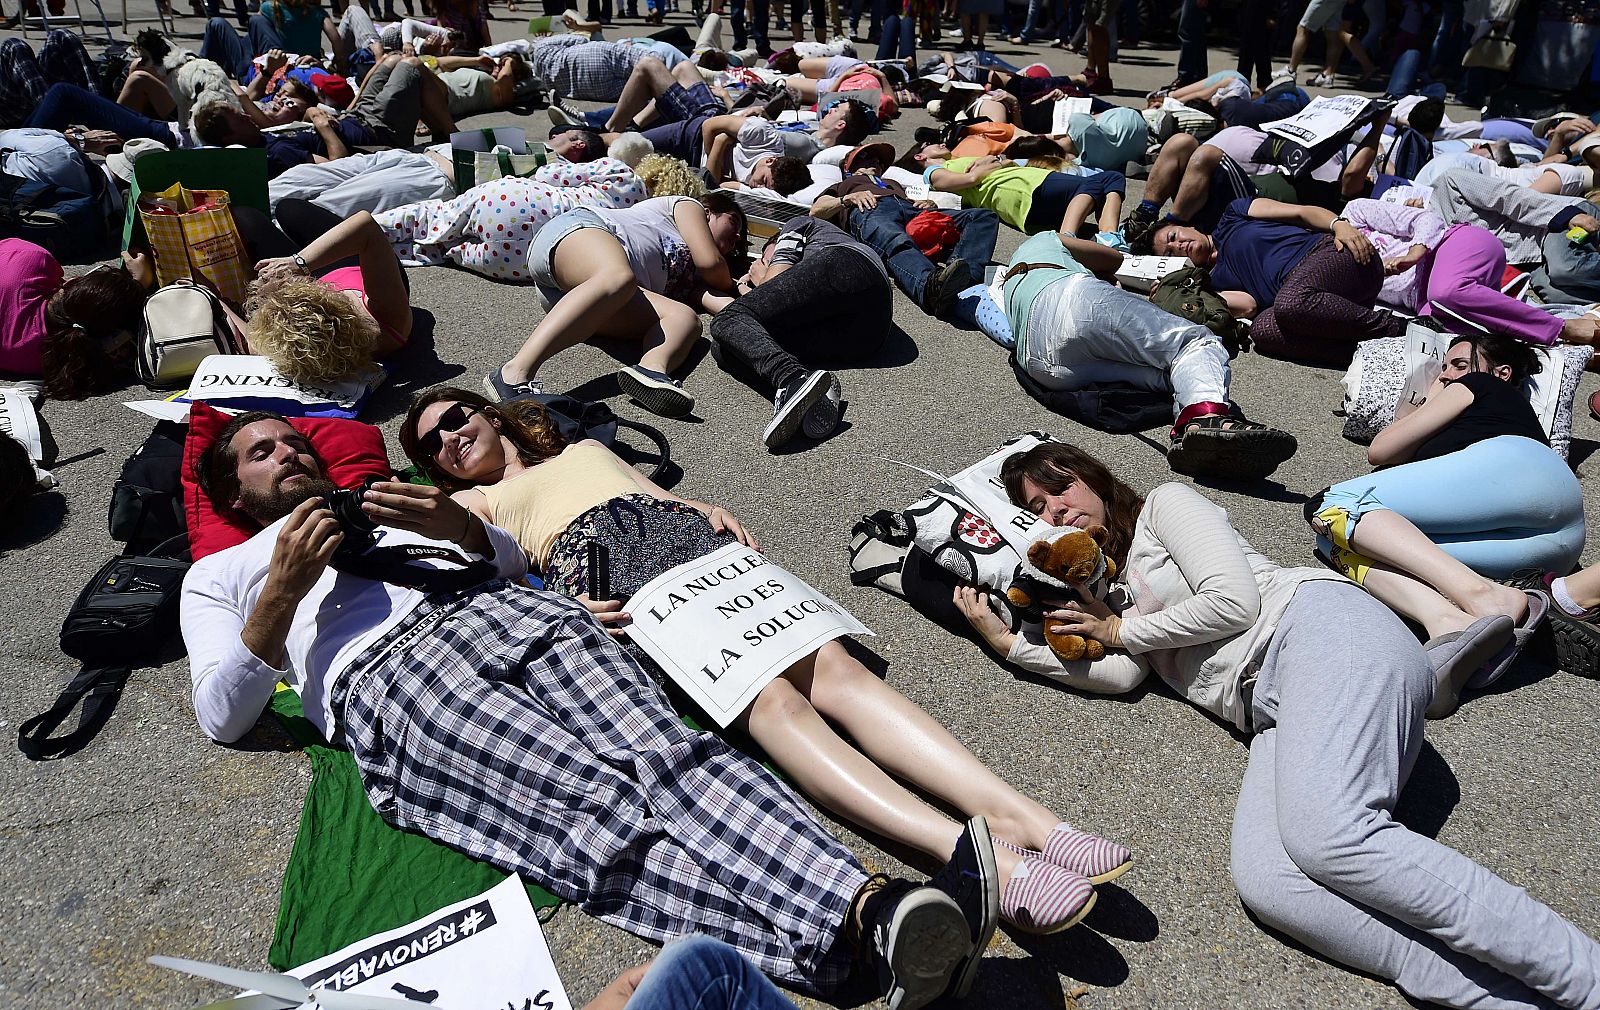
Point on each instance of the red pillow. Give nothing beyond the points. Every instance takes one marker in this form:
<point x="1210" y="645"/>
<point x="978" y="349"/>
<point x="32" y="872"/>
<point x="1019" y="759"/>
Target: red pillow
<point x="349" y="450"/>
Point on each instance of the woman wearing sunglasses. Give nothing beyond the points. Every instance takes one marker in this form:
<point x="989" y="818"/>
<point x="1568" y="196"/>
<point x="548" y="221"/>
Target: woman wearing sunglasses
<point x="75" y="332"/>
<point x="509" y="465"/>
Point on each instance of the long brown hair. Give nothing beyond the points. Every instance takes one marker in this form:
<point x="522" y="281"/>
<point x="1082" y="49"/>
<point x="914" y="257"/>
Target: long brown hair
<point x="1051" y="464"/>
<point x="79" y="323"/>
<point x="524" y="422"/>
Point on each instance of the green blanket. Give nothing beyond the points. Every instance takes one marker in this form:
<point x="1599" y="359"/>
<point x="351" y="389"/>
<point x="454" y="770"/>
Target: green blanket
<point x="350" y="875"/>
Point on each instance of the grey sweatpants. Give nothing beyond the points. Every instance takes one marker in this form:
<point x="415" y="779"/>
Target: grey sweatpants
<point x="1318" y="855"/>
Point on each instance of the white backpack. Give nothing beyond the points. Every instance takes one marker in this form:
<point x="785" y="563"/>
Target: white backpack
<point x="183" y="325"/>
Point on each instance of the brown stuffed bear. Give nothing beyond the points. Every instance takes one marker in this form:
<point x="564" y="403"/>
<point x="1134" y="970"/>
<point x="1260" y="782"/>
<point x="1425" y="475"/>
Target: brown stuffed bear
<point x="1073" y="557"/>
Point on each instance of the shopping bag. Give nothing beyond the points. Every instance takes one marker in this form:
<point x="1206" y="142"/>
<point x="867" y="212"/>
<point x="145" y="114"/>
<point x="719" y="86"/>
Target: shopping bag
<point x="481" y="156"/>
<point x="242" y="171"/>
<point x="193" y="237"/>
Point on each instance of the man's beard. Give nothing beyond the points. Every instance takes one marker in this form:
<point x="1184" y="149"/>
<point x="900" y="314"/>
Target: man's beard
<point x="268" y="507"/>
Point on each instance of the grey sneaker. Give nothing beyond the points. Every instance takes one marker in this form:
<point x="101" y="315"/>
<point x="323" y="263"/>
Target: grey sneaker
<point x="562" y="114"/>
<point x="792" y="403"/>
<point x="500" y="390"/>
<point x="972" y="880"/>
<point x="822" y="419"/>
<point x="947" y="281"/>
<point x="656" y="391"/>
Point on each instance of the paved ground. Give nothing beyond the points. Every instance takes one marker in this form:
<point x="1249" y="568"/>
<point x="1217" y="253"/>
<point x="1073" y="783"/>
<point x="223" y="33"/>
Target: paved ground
<point x="155" y="840"/>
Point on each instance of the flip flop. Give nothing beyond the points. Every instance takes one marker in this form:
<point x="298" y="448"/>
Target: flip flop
<point x="1538" y="607"/>
<point x="1457" y="656"/>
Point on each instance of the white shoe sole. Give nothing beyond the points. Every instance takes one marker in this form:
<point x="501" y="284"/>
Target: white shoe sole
<point x="783" y="425"/>
<point x="817" y="423"/>
<point x="662" y="398"/>
<point x="927" y="941"/>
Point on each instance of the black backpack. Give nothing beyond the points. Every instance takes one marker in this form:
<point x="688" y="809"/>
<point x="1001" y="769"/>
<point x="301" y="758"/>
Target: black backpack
<point x="147" y="498"/>
<point x="119" y="621"/>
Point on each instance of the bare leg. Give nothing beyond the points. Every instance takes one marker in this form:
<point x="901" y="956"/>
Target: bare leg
<point x="147" y="94"/>
<point x="592" y="269"/>
<point x="1359" y="51"/>
<point x="1414" y="600"/>
<point x="668" y="329"/>
<point x="1330" y="59"/>
<point x="650" y="77"/>
<point x="1297" y="50"/>
<point x="1078" y="209"/>
<point x="435" y="102"/>
<point x="1195" y="188"/>
<point x="1353" y="177"/>
<point x="1098" y="58"/>
<point x="1390" y="538"/>
<point x="1167" y="173"/>
<point x="804" y="86"/>
<point x="1110" y="211"/>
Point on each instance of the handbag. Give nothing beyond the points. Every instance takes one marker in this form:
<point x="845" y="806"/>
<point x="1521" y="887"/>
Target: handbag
<point x="193" y="237"/>
<point x="183" y="325"/>
<point x="480" y="156"/>
<point x="120" y="620"/>
<point x="1492" y="52"/>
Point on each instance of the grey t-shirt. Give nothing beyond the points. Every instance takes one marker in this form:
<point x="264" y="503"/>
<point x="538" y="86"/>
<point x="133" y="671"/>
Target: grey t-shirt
<point x="808" y="235"/>
<point x="799" y="145"/>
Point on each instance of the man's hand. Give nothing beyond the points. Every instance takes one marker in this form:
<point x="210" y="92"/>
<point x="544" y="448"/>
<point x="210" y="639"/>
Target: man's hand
<point x="616" y="995"/>
<point x="1348" y="238"/>
<point x="1588" y="222"/>
<point x="1053" y="95"/>
<point x="610" y="615"/>
<point x="862" y="199"/>
<point x="306" y="543"/>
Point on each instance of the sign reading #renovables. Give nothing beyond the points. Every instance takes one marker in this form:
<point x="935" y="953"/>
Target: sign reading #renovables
<point x="723" y="626"/>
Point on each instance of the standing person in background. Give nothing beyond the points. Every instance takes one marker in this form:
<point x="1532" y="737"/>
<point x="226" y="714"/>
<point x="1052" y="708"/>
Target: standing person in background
<point x="1258" y="22"/>
<point x="1098" y="16"/>
<point x="301" y="26"/>
<point x="1192" y="42"/>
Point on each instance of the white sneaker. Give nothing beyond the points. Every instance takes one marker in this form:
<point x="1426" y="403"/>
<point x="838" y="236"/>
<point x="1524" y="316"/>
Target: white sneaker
<point x="1283" y="74"/>
<point x="1321" y="81"/>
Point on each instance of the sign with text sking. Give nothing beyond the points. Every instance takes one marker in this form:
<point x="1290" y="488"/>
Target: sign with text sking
<point x="723" y="626"/>
<point x="487" y="951"/>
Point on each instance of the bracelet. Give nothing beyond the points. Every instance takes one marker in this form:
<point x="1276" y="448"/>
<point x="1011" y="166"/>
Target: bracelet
<point x="466" y="529"/>
<point x="300" y="261"/>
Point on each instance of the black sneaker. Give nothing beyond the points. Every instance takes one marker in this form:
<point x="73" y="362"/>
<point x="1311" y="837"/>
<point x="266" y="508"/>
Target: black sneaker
<point x="791" y="404"/>
<point x="917" y="939"/>
<point x="972" y="880"/>
<point x="500" y="390"/>
<point x="656" y="391"/>
<point x="947" y="281"/>
<point x="1571" y="643"/>
<point x="822" y="419"/>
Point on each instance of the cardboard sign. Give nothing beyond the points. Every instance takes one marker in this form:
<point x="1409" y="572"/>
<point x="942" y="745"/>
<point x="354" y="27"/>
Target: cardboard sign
<point x="20" y="421"/>
<point x="486" y="951"/>
<point x="252" y="382"/>
<point x="1325" y="118"/>
<point x="723" y="626"/>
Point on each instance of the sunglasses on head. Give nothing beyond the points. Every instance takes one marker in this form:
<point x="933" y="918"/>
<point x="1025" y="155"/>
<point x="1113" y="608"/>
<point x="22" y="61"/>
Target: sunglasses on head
<point x="453" y="419"/>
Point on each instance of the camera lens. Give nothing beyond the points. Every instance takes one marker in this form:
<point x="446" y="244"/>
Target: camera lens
<point x="346" y="508"/>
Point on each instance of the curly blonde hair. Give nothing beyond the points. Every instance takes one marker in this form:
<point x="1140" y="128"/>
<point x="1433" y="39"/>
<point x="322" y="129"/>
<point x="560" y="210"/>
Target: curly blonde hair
<point x="311" y="332"/>
<point x="664" y="175"/>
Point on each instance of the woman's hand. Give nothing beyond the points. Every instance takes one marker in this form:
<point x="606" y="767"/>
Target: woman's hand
<point x="983" y="166"/>
<point x="1091" y="620"/>
<point x="140" y="268"/>
<point x="420" y="508"/>
<point x="610" y="615"/>
<point x="1348" y="238"/>
<point x="1053" y="95"/>
<point x="277" y="268"/>
<point x="723" y="521"/>
<point x="973" y="602"/>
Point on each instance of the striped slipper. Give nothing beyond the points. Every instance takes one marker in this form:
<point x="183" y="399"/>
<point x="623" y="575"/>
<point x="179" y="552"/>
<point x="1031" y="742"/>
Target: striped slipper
<point x="1047" y="899"/>
<point x="1084" y="854"/>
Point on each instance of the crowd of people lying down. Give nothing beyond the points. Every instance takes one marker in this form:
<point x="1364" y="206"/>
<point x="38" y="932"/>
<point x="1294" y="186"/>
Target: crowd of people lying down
<point x="510" y="716"/>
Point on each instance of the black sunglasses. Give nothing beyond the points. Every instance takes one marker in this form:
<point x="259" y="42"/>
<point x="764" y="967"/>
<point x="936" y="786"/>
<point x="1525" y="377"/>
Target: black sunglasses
<point x="453" y="419"/>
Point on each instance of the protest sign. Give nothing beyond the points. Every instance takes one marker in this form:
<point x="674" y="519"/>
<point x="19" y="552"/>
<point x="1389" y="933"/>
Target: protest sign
<point x="252" y="382"/>
<point x="723" y="626"/>
<point x="19" y="421"/>
<point x="1065" y="108"/>
<point x="1325" y="118"/>
<point x="486" y="951"/>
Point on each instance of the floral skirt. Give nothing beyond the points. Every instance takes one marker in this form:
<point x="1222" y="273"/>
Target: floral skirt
<point x="644" y="537"/>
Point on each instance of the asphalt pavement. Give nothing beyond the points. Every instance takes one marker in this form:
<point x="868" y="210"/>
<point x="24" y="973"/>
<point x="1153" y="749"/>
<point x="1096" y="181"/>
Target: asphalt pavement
<point x="156" y="840"/>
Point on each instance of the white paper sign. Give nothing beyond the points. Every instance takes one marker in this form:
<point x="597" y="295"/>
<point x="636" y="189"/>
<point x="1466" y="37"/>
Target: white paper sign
<point x="1065" y="109"/>
<point x="920" y="191"/>
<point x="485" y="952"/>
<point x="18" y="420"/>
<point x="251" y="379"/>
<point x="1324" y="118"/>
<point x="1140" y="273"/>
<point x="723" y="626"/>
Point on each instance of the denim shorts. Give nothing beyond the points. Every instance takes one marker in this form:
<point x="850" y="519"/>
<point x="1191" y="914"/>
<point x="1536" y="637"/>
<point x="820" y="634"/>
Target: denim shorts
<point x="1322" y="15"/>
<point x="542" y="250"/>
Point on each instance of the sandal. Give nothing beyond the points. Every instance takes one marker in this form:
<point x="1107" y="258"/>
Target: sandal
<point x="1220" y="445"/>
<point x="1457" y="657"/>
<point x="1538" y="607"/>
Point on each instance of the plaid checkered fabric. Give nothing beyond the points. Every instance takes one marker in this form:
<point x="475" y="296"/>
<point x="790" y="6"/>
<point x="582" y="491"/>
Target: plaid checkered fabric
<point x="579" y="68"/>
<point x="509" y="726"/>
<point x="201" y="242"/>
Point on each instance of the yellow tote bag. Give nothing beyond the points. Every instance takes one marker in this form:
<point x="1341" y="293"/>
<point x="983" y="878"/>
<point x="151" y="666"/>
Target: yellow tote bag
<point x="193" y="236"/>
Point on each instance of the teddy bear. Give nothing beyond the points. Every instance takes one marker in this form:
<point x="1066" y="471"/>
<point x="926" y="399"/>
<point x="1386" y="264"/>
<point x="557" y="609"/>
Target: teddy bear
<point x="1072" y="557"/>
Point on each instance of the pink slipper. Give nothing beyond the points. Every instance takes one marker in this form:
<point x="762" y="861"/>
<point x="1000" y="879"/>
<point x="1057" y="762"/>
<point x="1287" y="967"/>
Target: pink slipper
<point x="1080" y="852"/>
<point x="1047" y="899"/>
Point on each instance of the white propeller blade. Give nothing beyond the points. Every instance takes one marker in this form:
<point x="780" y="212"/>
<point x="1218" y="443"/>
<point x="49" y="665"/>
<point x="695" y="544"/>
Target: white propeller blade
<point x="284" y="987"/>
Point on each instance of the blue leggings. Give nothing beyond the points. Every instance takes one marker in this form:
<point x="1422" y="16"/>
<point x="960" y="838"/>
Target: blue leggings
<point x="1497" y="506"/>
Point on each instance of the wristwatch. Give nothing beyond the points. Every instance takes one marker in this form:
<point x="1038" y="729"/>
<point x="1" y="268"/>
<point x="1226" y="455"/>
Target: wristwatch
<point x="300" y="261"/>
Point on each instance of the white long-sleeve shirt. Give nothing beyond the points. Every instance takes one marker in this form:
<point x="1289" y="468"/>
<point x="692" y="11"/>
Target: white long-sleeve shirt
<point x="333" y="626"/>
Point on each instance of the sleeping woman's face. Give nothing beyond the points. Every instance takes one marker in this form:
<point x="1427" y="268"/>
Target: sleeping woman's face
<point x="1067" y="501"/>
<point x="462" y="441"/>
<point x="1463" y="358"/>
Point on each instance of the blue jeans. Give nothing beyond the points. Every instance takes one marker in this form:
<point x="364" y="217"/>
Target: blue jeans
<point x="1447" y="43"/>
<point x="223" y="45"/>
<point x="1571" y="273"/>
<point x="705" y="974"/>
<point x="874" y="10"/>
<point x="1191" y="42"/>
<point x="1071" y="20"/>
<point x="67" y="105"/>
<point x="884" y="229"/>
<point x="898" y="37"/>
<point x="757" y="25"/>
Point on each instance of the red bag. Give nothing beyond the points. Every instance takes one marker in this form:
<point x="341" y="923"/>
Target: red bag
<point x="934" y="232"/>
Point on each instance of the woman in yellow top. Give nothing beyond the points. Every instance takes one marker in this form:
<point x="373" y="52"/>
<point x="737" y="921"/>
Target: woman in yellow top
<point x="1030" y="198"/>
<point x="509" y="465"/>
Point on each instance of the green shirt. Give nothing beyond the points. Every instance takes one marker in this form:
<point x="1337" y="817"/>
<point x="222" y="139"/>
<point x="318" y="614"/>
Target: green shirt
<point x="1021" y="290"/>
<point x="1008" y="190"/>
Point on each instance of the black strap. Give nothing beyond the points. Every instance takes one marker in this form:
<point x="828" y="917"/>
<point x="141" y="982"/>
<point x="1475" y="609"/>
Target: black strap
<point x="654" y="435"/>
<point x="98" y="687"/>
<point x="389" y="564"/>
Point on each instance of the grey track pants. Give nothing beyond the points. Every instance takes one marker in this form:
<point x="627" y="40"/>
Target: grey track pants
<point x="1318" y="855"/>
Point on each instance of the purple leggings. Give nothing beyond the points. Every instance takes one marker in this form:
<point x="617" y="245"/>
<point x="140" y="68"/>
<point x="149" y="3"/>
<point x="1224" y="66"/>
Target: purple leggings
<point x="1324" y="309"/>
<point x="1463" y="276"/>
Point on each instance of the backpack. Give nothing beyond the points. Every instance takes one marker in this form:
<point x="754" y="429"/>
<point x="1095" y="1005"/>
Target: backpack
<point x="1407" y="154"/>
<point x="1120" y="408"/>
<point x="1188" y="295"/>
<point x="120" y="620"/>
<point x="580" y="419"/>
<point x="72" y="226"/>
<point x="147" y="498"/>
<point x="183" y="325"/>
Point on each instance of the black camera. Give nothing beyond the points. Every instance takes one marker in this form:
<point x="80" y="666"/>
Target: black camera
<point x="359" y="529"/>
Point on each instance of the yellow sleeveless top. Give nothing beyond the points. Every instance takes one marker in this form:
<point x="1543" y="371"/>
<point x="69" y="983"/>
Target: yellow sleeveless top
<point x="538" y="505"/>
